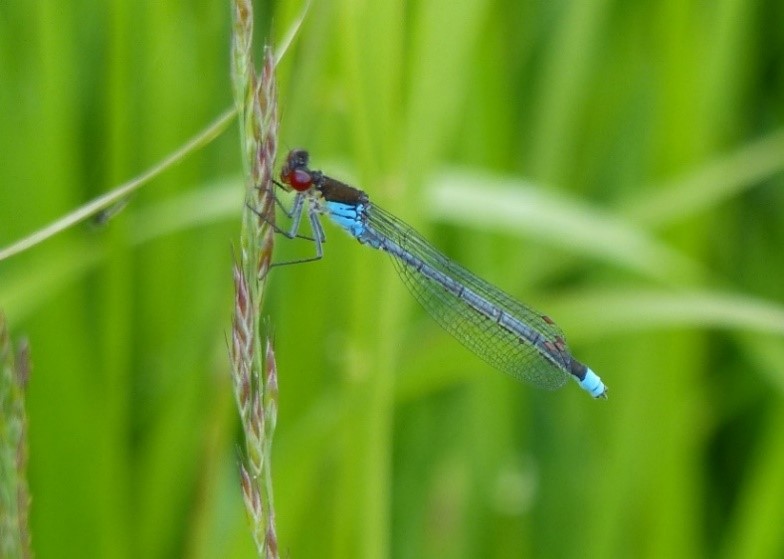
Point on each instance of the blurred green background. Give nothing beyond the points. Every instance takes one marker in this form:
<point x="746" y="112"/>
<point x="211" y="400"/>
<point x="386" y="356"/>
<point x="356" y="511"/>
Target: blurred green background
<point x="615" y="164"/>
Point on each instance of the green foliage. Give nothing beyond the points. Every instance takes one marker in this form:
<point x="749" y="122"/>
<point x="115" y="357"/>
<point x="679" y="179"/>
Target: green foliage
<point x="617" y="165"/>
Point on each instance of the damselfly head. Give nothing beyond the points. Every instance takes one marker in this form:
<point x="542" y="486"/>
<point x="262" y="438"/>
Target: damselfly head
<point x="295" y="171"/>
<point x="298" y="179"/>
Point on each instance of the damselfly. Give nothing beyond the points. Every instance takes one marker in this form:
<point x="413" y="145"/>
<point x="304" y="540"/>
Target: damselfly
<point x="507" y="334"/>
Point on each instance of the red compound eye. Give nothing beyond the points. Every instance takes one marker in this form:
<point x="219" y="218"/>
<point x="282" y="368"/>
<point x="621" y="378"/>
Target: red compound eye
<point x="298" y="179"/>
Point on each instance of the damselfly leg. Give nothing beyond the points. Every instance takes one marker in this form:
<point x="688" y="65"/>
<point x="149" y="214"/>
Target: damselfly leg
<point x="301" y="204"/>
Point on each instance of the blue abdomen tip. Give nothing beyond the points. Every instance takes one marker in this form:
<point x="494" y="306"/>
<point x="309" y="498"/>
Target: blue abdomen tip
<point x="593" y="384"/>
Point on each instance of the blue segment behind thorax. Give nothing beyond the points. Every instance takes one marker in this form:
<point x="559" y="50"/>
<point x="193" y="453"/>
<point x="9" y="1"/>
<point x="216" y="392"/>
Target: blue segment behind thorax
<point x="348" y="216"/>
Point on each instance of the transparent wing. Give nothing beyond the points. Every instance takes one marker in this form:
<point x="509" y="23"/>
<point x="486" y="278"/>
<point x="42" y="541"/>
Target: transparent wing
<point x="496" y="345"/>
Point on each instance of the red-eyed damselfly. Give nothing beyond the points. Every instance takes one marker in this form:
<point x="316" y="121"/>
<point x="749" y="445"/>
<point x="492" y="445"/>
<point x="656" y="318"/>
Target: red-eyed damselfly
<point x="504" y="332"/>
